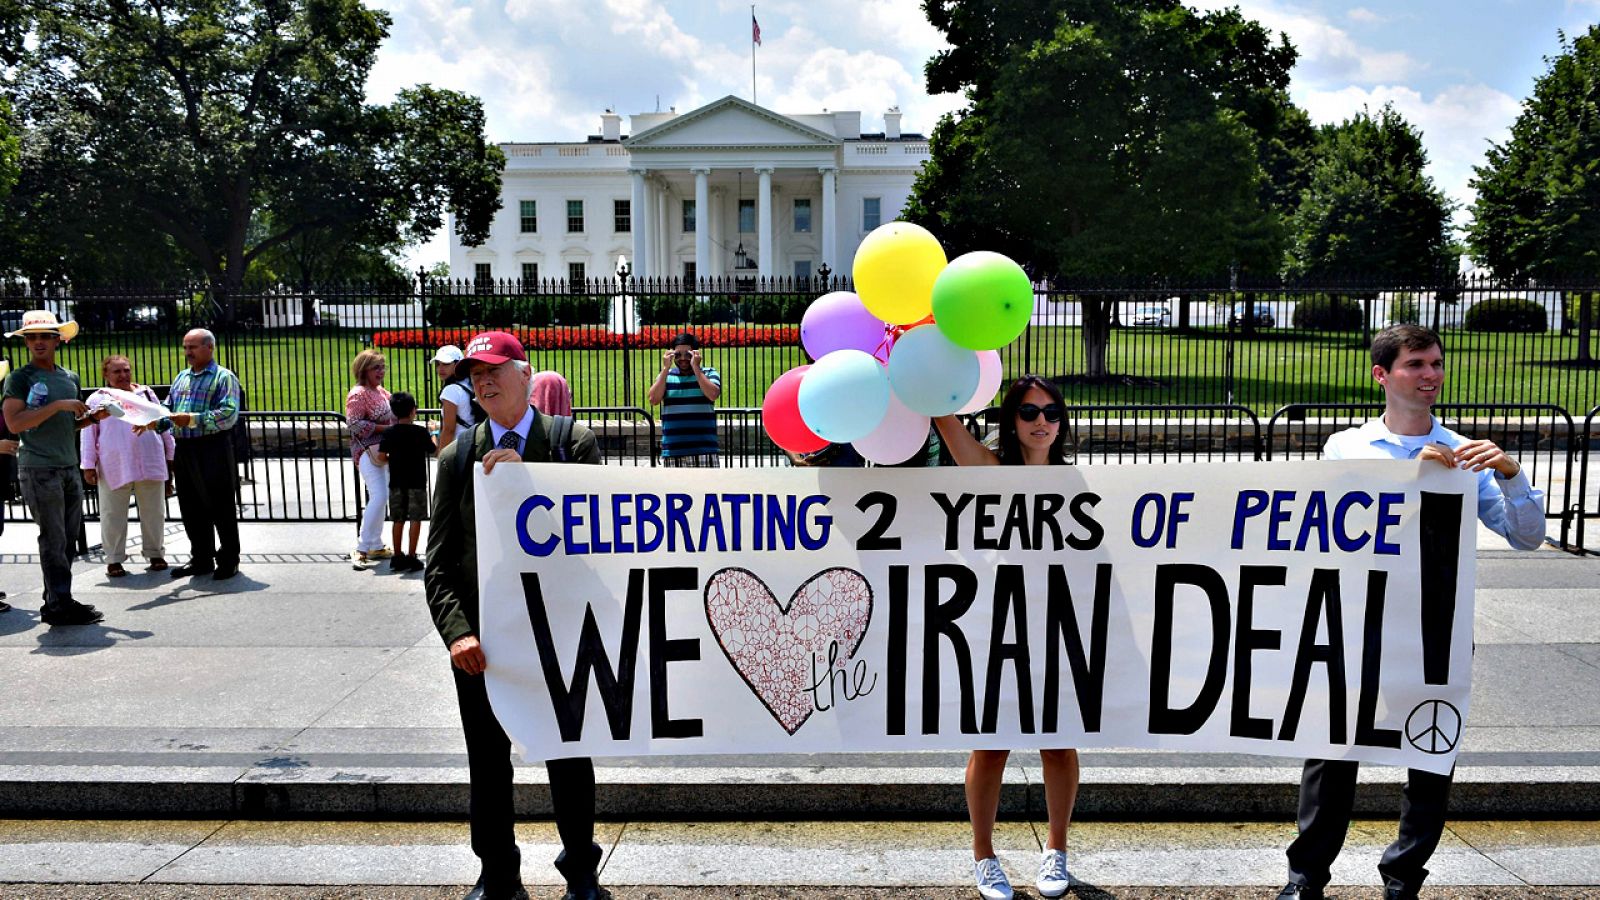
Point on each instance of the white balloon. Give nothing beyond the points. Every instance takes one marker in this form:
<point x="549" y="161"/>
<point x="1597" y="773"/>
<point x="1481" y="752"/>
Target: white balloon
<point x="900" y="436"/>
<point x="990" y="372"/>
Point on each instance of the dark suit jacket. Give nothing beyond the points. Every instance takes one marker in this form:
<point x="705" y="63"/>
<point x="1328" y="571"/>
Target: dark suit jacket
<point x="451" y="577"/>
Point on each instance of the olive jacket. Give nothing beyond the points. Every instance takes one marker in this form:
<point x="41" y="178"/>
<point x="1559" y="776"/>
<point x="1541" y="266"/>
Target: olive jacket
<point x="451" y="577"/>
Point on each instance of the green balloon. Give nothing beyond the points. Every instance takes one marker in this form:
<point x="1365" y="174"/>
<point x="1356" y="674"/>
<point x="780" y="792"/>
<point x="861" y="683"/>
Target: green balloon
<point x="982" y="301"/>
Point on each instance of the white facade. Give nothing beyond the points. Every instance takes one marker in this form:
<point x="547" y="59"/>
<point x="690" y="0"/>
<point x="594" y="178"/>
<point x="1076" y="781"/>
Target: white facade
<point x="809" y="185"/>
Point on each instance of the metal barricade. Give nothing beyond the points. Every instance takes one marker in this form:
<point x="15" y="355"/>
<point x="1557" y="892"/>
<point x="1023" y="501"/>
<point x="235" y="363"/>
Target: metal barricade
<point x="1173" y="432"/>
<point x="1587" y="507"/>
<point x="1539" y="436"/>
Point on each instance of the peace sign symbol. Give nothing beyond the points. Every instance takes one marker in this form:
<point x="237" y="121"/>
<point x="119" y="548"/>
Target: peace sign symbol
<point x="1434" y="727"/>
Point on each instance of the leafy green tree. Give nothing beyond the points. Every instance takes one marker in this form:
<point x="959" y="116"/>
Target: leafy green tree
<point x="10" y="150"/>
<point x="234" y="127"/>
<point x="1537" y="212"/>
<point x="1110" y="139"/>
<point x="1370" y="210"/>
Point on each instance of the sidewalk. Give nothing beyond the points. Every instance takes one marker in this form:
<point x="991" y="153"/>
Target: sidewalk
<point x="305" y="688"/>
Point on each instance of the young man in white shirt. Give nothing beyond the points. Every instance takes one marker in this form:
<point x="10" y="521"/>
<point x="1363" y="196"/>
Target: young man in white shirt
<point x="1408" y="360"/>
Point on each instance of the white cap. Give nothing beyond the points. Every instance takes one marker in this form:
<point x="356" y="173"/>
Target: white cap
<point x="449" y="353"/>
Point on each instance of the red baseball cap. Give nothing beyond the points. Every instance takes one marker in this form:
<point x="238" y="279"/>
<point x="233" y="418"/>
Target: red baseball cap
<point x="493" y="348"/>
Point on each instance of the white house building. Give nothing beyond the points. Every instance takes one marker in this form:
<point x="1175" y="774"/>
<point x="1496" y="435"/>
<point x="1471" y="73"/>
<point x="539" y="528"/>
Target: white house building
<point x="730" y="189"/>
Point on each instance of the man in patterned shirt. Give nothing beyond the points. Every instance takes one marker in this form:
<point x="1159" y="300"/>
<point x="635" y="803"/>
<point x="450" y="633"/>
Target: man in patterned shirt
<point x="685" y="390"/>
<point x="205" y="405"/>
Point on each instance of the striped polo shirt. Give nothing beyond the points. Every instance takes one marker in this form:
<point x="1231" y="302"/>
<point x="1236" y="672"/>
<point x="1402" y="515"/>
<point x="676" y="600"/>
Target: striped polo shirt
<point x="688" y="424"/>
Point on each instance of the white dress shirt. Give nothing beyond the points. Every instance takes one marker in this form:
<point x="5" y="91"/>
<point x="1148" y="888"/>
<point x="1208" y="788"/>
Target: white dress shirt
<point x="1510" y="507"/>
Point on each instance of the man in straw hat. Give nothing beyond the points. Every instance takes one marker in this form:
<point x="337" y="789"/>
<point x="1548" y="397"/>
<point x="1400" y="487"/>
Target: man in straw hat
<point x="42" y="406"/>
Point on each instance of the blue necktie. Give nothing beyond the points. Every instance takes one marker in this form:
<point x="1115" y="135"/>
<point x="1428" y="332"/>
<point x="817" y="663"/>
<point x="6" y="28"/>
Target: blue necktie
<point x="510" y="441"/>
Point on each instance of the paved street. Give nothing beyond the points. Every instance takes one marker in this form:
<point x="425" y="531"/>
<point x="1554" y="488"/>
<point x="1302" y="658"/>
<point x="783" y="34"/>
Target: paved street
<point x="308" y="691"/>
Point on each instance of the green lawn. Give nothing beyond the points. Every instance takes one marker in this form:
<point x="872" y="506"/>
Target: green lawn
<point x="283" y="371"/>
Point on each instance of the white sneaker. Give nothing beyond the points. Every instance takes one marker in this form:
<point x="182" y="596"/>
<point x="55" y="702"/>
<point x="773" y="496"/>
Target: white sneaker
<point x="1053" y="878"/>
<point x="992" y="881"/>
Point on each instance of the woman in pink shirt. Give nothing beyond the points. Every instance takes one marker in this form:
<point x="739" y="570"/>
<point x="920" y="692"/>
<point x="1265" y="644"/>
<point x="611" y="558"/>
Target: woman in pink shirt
<point x="121" y="464"/>
<point x="366" y="411"/>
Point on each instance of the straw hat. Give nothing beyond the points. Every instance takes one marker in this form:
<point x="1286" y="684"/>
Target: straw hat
<point x="40" y="321"/>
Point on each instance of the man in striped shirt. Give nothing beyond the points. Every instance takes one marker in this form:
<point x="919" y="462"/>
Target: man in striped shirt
<point x="685" y="390"/>
<point x="205" y="406"/>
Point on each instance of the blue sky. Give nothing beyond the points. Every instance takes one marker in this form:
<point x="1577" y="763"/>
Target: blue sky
<point x="546" y="68"/>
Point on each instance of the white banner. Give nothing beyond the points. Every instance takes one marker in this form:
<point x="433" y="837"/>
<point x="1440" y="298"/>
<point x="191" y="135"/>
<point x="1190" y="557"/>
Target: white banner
<point x="1311" y="609"/>
<point x="128" y="406"/>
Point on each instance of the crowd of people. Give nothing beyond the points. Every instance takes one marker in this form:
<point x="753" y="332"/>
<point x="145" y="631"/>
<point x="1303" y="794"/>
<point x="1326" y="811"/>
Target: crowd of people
<point x="497" y="411"/>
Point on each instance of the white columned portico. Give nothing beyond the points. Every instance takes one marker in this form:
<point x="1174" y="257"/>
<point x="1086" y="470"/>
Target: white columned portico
<point x="702" y="223"/>
<point x="830" y="230"/>
<point x="764" y="222"/>
<point x="714" y="221"/>
<point x="636" y="222"/>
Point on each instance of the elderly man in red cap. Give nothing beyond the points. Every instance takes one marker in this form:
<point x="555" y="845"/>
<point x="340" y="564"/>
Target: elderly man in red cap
<point x="510" y="432"/>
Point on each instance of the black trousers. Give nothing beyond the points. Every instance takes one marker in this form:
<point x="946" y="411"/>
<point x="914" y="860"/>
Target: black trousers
<point x="1327" y="800"/>
<point x="494" y="839"/>
<point x="207" y="491"/>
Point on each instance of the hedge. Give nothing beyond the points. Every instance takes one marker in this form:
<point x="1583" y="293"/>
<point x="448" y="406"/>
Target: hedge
<point x="1506" y="314"/>
<point x="650" y="336"/>
<point x="1327" y="312"/>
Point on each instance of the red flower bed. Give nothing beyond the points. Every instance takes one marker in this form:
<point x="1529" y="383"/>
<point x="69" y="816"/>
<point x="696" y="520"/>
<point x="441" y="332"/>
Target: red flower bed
<point x="595" y="338"/>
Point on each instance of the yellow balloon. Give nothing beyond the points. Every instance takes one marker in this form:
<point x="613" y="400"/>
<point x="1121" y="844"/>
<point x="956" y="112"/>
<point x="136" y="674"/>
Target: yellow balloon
<point x="894" y="271"/>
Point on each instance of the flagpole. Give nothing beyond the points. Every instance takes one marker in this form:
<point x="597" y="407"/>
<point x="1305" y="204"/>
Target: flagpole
<point x="753" y="53"/>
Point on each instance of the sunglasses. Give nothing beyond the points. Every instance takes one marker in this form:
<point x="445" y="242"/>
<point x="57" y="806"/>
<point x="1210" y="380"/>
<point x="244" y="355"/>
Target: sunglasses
<point x="1028" y="412"/>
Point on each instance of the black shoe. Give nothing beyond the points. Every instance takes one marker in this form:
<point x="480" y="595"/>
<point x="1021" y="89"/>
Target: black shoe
<point x="188" y="569"/>
<point x="77" y="614"/>
<point x="415" y="564"/>
<point x="592" y="892"/>
<point x="1292" y="891"/>
<point x="4" y="606"/>
<point x="479" y="892"/>
<point x="1393" y="892"/>
<point x="225" y="572"/>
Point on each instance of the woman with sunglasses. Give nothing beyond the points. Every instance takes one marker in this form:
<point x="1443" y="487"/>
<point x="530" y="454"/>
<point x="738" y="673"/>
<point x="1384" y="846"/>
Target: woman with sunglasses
<point x="1030" y="435"/>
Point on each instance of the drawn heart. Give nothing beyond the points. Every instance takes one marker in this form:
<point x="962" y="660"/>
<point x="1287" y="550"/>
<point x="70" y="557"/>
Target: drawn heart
<point x="771" y="644"/>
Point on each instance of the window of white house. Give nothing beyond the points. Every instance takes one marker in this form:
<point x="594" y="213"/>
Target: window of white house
<point x="747" y="216"/>
<point x="622" y="216"/>
<point x="575" y="278"/>
<point x="483" y="277"/>
<point x="802" y="215"/>
<point x="530" y="274"/>
<point x="688" y="217"/>
<point x="802" y="268"/>
<point x="871" y="213"/>
<point x="574" y="216"/>
<point x="530" y="216"/>
<point x="689" y="271"/>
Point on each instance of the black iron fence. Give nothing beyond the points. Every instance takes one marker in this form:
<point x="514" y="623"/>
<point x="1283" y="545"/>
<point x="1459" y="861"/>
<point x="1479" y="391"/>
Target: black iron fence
<point x="1260" y="346"/>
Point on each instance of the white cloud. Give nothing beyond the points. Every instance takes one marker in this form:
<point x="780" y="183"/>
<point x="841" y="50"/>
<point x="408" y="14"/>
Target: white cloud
<point x="1328" y="54"/>
<point x="1457" y="124"/>
<point x="1363" y="16"/>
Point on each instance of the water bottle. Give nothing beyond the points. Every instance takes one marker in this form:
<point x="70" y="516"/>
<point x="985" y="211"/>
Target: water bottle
<point x="38" y="395"/>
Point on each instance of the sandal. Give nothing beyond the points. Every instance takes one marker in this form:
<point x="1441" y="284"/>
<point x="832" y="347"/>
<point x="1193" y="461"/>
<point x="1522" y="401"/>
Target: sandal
<point x="156" y="565"/>
<point x="115" y="570"/>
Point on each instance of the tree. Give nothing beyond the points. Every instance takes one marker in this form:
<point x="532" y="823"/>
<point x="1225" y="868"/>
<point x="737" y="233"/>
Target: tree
<point x="1537" y="211"/>
<point x="10" y="151"/>
<point x="237" y="126"/>
<point x="1370" y="210"/>
<point x="1109" y="139"/>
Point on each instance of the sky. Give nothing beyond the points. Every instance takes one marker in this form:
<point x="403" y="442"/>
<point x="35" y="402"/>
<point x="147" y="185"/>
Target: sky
<point x="1456" y="69"/>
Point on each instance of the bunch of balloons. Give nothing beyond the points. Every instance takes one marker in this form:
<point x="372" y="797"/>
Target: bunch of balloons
<point x="879" y="372"/>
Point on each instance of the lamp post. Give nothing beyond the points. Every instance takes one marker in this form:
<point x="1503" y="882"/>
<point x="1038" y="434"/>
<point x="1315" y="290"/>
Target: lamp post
<point x="824" y="273"/>
<point x="623" y="270"/>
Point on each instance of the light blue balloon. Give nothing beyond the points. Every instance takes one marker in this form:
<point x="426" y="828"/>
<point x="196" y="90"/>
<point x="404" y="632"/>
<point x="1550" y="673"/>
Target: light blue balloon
<point x="844" y="395"/>
<point x="930" y="374"/>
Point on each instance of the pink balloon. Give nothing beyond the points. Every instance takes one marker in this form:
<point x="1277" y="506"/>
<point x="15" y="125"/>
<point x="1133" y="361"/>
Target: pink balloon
<point x="780" y="414"/>
<point x="839" y="321"/>
<point x="989" y="374"/>
<point x="900" y="435"/>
